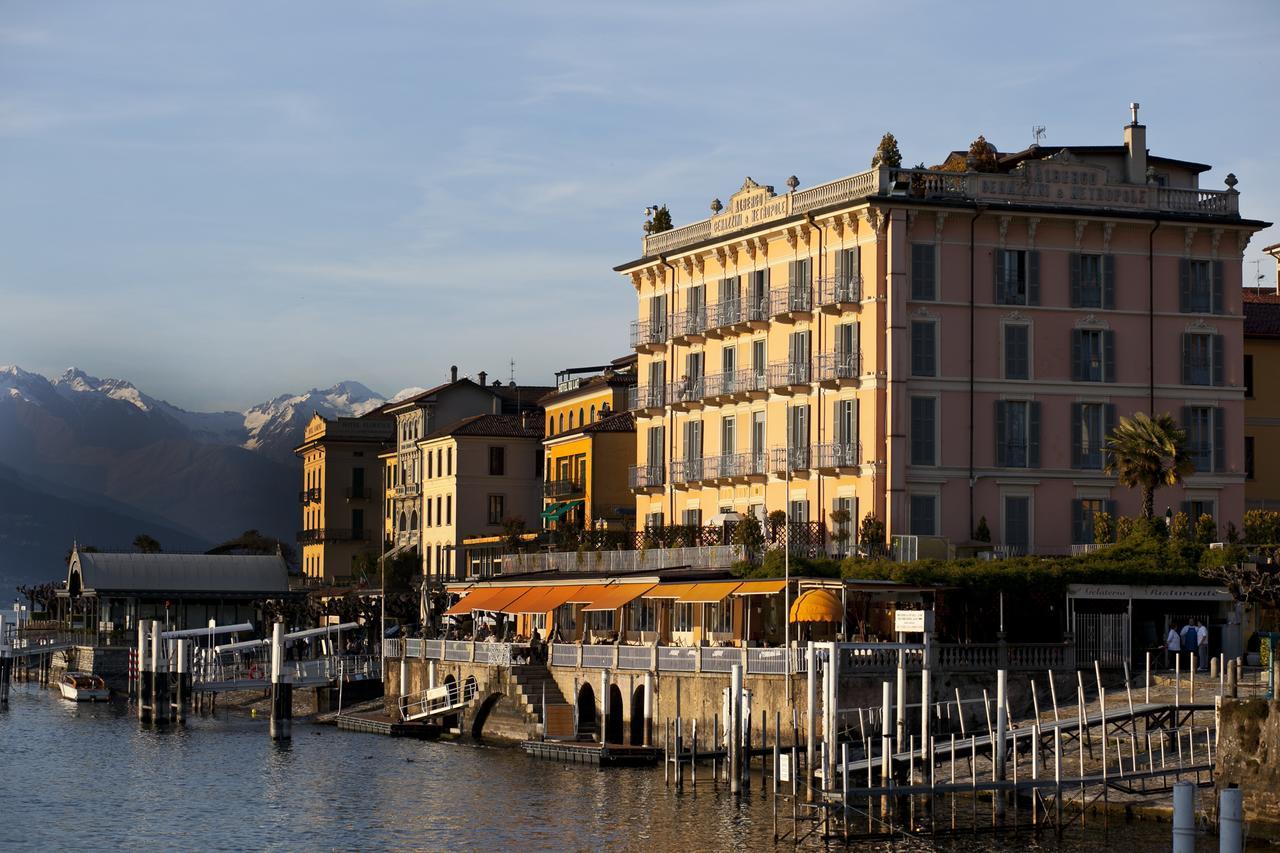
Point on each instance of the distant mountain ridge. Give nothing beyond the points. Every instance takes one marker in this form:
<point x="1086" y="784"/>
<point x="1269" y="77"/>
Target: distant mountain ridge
<point x="80" y="445"/>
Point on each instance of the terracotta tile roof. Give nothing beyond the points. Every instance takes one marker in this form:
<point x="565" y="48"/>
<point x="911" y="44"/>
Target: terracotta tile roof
<point x="1261" y="314"/>
<point x="619" y="422"/>
<point x="509" y="426"/>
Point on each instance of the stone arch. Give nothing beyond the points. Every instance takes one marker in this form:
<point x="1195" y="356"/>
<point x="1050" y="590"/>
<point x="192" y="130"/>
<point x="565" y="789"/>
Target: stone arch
<point x="413" y="520"/>
<point x="613" y="722"/>
<point x="404" y="522"/>
<point x="588" y="719"/>
<point x="450" y="721"/>
<point x="481" y="715"/>
<point x="470" y="688"/>
<point x="637" y="716"/>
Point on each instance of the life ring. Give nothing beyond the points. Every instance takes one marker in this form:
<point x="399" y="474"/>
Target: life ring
<point x="254" y="672"/>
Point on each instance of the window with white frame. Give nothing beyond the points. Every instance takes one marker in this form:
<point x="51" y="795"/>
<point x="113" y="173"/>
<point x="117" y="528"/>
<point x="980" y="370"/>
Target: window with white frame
<point x="681" y="617"/>
<point x="720" y="617"/>
<point x="643" y="615"/>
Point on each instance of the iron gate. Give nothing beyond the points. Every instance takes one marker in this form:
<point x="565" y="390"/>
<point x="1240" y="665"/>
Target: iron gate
<point x="1103" y="637"/>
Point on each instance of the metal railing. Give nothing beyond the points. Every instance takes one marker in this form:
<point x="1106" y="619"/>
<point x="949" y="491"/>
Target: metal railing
<point x="790" y="299"/>
<point x="722" y="659"/>
<point x="836" y="366"/>
<point x="332" y="534"/>
<point x="767" y="661"/>
<point x="800" y="458"/>
<point x="646" y="476"/>
<point x="839" y="455"/>
<point x="597" y="657"/>
<point x="839" y="291"/>
<point x="646" y="397"/>
<point x="562" y="488"/>
<point x="408" y="490"/>
<point x="635" y="657"/>
<point x="458" y="650"/>
<point x="690" y="389"/>
<point x="787" y="373"/>
<point x="690" y="322"/>
<point x="611" y="562"/>
<point x="686" y="470"/>
<point x="677" y="659"/>
<point x="648" y="332"/>
<point x="727" y="313"/>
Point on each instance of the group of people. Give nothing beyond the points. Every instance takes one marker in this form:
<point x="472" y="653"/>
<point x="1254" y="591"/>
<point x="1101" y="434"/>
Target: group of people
<point x="1190" y="639"/>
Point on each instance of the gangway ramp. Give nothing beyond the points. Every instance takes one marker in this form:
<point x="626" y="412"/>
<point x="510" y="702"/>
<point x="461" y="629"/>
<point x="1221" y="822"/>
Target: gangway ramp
<point x="433" y="702"/>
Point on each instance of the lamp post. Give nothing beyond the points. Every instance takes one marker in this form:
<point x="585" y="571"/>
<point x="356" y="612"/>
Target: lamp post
<point x="1168" y="519"/>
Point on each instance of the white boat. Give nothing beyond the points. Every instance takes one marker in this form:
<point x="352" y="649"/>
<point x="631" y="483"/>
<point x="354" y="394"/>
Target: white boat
<point x="83" y="687"/>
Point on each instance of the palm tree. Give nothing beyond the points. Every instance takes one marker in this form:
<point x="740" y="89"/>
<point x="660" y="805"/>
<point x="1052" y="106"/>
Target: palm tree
<point x="1148" y="453"/>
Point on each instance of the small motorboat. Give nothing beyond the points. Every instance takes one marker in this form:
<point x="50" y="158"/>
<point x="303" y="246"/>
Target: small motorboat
<point x="83" y="687"/>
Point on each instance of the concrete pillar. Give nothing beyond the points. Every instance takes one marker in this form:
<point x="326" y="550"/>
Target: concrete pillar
<point x="648" y="709"/>
<point x="431" y="674"/>
<point x="604" y="704"/>
<point x="184" y="681"/>
<point x="811" y="702"/>
<point x="1231" y="821"/>
<point x="1002" y="725"/>
<point x="159" y="676"/>
<point x="281" y="690"/>
<point x="142" y="689"/>
<point x="1184" y="817"/>
<point x="735" y="728"/>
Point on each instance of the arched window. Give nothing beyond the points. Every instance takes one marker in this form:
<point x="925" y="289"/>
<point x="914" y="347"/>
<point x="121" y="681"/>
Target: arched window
<point x="581" y="415"/>
<point x="562" y="421"/>
<point x="402" y="523"/>
<point x="413" y="519"/>
<point x="571" y="419"/>
<point x="551" y="424"/>
<point x="593" y="413"/>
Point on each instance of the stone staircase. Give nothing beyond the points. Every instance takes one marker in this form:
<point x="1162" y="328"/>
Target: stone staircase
<point x="529" y="681"/>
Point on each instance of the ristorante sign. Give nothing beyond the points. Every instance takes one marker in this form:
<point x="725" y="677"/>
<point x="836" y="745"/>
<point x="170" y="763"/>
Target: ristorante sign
<point x="751" y="205"/>
<point x="1050" y="182"/>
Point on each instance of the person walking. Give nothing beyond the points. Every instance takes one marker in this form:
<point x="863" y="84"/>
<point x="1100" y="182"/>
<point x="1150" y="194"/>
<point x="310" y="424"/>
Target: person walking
<point x="1202" y="642"/>
<point x="1190" y="642"/>
<point x="1172" y="645"/>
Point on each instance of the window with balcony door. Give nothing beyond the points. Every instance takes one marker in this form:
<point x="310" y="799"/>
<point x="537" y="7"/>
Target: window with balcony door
<point x="924" y="279"/>
<point x="1200" y="286"/>
<point x="497" y="508"/>
<point x="1017" y="351"/>
<point x="923" y="511"/>
<point x="720" y="617"/>
<point x="1017" y="434"/>
<point x="1206" y="437"/>
<point x="1091" y="280"/>
<point x="1091" y="423"/>
<point x="1202" y="359"/>
<point x="643" y="615"/>
<point x="924" y="427"/>
<point x="924" y="348"/>
<point x="497" y="461"/>
<point x="1083" y="511"/>
<point x="1017" y="277"/>
<point x="681" y="617"/>
<point x="1093" y="355"/>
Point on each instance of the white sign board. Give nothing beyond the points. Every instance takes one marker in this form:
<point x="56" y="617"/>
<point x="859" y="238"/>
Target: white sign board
<point x="784" y="767"/>
<point x="913" y="621"/>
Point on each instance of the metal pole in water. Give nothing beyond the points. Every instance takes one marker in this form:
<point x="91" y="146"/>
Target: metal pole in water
<point x="184" y="682"/>
<point x="811" y="701"/>
<point x="735" y="724"/>
<point x="1147" y="697"/>
<point x="1184" y="817"/>
<point x="158" y="679"/>
<point x="1230" y="821"/>
<point x="143" y="689"/>
<point x="281" y="691"/>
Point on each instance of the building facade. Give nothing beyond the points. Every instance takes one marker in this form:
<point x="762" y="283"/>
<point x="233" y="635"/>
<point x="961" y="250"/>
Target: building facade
<point x="342" y="494"/>
<point x="1262" y="392"/>
<point x="589" y="444"/>
<point x="943" y="347"/>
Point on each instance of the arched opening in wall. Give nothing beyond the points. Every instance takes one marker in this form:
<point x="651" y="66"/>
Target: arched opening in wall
<point x="637" y="716"/>
<point x="403" y="522"/>
<point x="588" y="723"/>
<point x="482" y="714"/>
<point x="450" y="721"/>
<point x="413" y="520"/>
<point x="614" y="723"/>
<point x="470" y="689"/>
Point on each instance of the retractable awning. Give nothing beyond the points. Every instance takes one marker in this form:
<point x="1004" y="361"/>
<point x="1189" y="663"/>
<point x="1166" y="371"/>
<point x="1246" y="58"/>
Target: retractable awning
<point x="493" y="599"/>
<point x="618" y="595"/>
<point x="760" y="588"/>
<point x="558" y="510"/>
<point x="709" y="593"/>
<point x="544" y="599"/>
<point x="669" y="590"/>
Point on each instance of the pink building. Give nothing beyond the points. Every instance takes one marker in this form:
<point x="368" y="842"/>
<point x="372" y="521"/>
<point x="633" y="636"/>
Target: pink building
<point x="1002" y="321"/>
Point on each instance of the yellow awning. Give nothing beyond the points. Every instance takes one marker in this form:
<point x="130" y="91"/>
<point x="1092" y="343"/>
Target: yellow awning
<point x="709" y="593"/>
<point x="544" y="599"/>
<point x="669" y="590"/>
<point x="613" y="597"/>
<point x="478" y="599"/>
<point x="760" y="588"/>
<point x="817" y="605"/>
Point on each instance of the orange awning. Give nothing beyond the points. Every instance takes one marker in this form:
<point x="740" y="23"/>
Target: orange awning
<point x="613" y="597"/>
<point x="760" y="588"/>
<point x="709" y="593"/>
<point x="669" y="590"/>
<point x="544" y="599"/>
<point x="474" y="600"/>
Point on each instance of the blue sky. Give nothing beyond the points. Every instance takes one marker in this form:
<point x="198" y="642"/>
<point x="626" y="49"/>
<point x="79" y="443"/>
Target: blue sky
<point x="226" y="201"/>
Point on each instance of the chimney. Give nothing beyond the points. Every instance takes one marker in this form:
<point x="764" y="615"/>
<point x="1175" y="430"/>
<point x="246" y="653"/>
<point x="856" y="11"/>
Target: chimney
<point x="453" y="373"/>
<point x="482" y="376"/>
<point x="1135" y="143"/>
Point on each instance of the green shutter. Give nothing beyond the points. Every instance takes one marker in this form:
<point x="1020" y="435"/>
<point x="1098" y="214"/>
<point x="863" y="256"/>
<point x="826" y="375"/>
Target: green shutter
<point x="1108" y="281"/>
<point x="1184" y="285"/>
<point x="1033" y="278"/>
<point x="1217" y="287"/>
<point x="1077" y="435"/>
<point x="1002" y="453"/>
<point x="1108" y="356"/>
<point x="1218" y="360"/>
<point x="1033" y="434"/>
<point x="1073" y="271"/>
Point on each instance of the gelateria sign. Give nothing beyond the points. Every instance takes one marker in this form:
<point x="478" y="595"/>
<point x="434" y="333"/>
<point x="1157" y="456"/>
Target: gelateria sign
<point x="1054" y="182"/>
<point x="1149" y="593"/>
<point x="750" y="206"/>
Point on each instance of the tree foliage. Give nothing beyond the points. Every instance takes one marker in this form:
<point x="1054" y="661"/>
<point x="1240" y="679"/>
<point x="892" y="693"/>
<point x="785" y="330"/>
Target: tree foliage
<point x="982" y="533"/>
<point x="871" y="535"/>
<point x="887" y="153"/>
<point x="983" y="155"/>
<point x="254" y="542"/>
<point x="146" y="544"/>
<point x="660" y="222"/>
<point x="1146" y="453"/>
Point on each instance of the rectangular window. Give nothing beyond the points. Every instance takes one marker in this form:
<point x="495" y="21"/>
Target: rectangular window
<point x="798" y="511"/>
<point x="430" y="519"/>
<point x="728" y="434"/>
<point x="1017" y="434"/>
<point x="844" y="424"/>
<point x="798" y="357"/>
<point x="497" y="508"/>
<point x="1083" y="511"/>
<point x="691" y="517"/>
<point x="728" y="360"/>
<point x="430" y="466"/>
<point x="758" y="295"/>
<point x="1197" y="508"/>
<point x="1200" y="286"/>
<point x="924" y="279"/>
<point x="1248" y="376"/>
<point x="1091" y="423"/>
<point x="757" y="442"/>
<point x="1017" y="351"/>
<point x="843" y="531"/>
<point x="497" y="461"/>
<point x="923" y="430"/>
<point x="692" y="440"/>
<point x="924" y="348"/>
<point x="924" y="515"/>
<point x="1248" y="457"/>
<point x="1205" y="427"/>
<point x="448" y="509"/>
<point x="599" y="620"/>
<point x="1092" y="281"/>
<point x="798" y="425"/>
<point x="643" y="615"/>
<point x="697" y="310"/>
<point x="1093" y="355"/>
<point x="1017" y="523"/>
<point x="1017" y="277"/>
<point x="759" y="357"/>
<point x="658" y="317"/>
<point x="653" y="520"/>
<point x="720" y="617"/>
<point x="681" y="617"/>
<point x="1202" y="359"/>
<point x="656" y="450"/>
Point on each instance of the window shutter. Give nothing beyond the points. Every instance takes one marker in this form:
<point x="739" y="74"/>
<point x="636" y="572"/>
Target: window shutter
<point x="793" y="273"/>
<point x="853" y="439"/>
<point x="1218" y="362"/>
<point x="1184" y="285"/>
<point x="857" y="347"/>
<point x="1217" y="287"/>
<point x="1033" y="434"/>
<point x="1108" y="356"/>
<point x="1108" y="281"/>
<point x="839" y="268"/>
<point x="1033" y="278"/>
<point x="1219" y="440"/>
<point x="1108" y="427"/>
<point x="997" y="280"/>
<point x="1077" y="436"/>
<point x="1073" y="267"/>
<point x="854" y="266"/>
<point x="1186" y="358"/>
<point x="1002" y="455"/>
<point x="1077" y="521"/>
<point x="1077" y="350"/>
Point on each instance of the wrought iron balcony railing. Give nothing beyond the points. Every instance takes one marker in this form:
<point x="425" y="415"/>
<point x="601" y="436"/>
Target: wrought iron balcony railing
<point x="646" y="476"/>
<point x="563" y="488"/>
<point x="843" y="454"/>
<point x="845" y="290"/>
<point x="648" y="332"/>
<point x="839" y="366"/>
<point x="789" y="373"/>
<point x="644" y="397"/>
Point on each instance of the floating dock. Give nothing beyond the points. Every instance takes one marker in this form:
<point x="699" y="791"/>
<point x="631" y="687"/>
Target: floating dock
<point x="380" y="724"/>
<point x="590" y="752"/>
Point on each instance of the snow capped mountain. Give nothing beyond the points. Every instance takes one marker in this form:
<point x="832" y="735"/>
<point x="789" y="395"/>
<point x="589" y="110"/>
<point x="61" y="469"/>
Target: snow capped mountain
<point x="276" y="426"/>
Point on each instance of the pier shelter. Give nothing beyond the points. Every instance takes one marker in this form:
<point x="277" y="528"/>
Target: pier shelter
<point x="113" y="591"/>
<point x="1113" y="623"/>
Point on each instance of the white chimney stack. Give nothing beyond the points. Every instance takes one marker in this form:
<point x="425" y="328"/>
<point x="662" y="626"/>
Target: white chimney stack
<point x="1135" y="143"/>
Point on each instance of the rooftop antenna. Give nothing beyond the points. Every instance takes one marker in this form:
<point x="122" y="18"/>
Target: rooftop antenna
<point x="1037" y="131"/>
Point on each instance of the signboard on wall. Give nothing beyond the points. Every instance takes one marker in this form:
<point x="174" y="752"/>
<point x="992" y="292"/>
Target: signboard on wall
<point x="913" y="621"/>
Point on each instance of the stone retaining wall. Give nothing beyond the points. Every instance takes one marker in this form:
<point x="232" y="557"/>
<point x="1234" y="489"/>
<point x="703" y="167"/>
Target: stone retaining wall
<point x="1249" y="757"/>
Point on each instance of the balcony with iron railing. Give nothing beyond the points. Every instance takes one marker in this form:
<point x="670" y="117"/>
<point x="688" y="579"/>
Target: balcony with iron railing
<point x="408" y="490"/>
<point x="742" y="384"/>
<point x="791" y="303"/>
<point x="687" y="471"/>
<point x="723" y="316"/>
<point x="645" y="477"/>
<point x="307" y="496"/>
<point x="649" y="335"/>
<point x="836" y="294"/>
<point x="646" y="398"/>
<point x="836" y="455"/>
<point x="800" y="456"/>
<point x="789" y="376"/>
<point x="563" y="488"/>
<point x="332" y="534"/>
<point x="837" y="369"/>
<point x="689" y="326"/>
<point x="687" y="393"/>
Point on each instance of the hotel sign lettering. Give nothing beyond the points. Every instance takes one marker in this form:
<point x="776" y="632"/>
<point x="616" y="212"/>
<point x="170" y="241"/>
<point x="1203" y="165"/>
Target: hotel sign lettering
<point x="1061" y="183"/>
<point x="751" y="205"/>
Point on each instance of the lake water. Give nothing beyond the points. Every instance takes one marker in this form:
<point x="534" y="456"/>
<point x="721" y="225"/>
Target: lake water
<point x="89" y="776"/>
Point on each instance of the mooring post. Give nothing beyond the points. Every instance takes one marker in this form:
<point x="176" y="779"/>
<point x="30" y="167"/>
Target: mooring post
<point x="1177" y="680"/>
<point x="900" y="729"/>
<point x="184" y="682"/>
<point x="1233" y="679"/>
<point x="142" y="690"/>
<point x="735" y="726"/>
<point x="1184" y="817"/>
<point x="159" y="676"/>
<point x="281" y="691"/>
<point x="1002" y="724"/>
<point x="829" y="715"/>
<point x="1147" y="695"/>
<point x="811" y="710"/>
<point x="1230" y="820"/>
